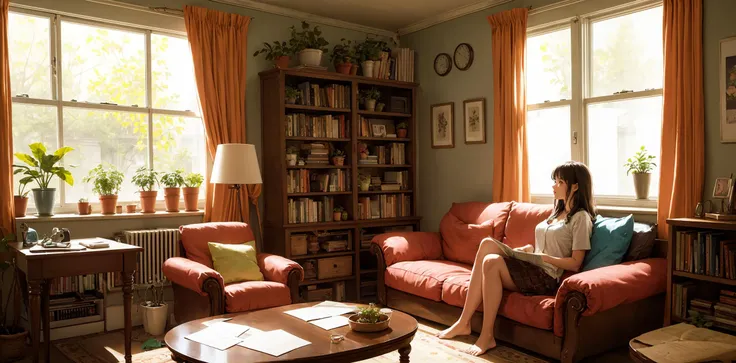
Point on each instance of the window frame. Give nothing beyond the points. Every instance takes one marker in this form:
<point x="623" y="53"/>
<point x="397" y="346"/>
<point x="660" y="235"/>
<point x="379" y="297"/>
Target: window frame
<point x="581" y="83"/>
<point x="57" y="97"/>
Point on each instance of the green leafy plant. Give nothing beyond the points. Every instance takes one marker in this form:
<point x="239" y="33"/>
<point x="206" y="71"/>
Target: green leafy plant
<point x="369" y="315"/>
<point x="699" y="320"/>
<point x="307" y="38"/>
<point x="173" y="179"/>
<point x="153" y="294"/>
<point x="291" y="92"/>
<point x="370" y="94"/>
<point x="278" y="49"/>
<point x="106" y="181"/>
<point x="338" y="153"/>
<point x="6" y="266"/>
<point x="370" y="49"/>
<point x="193" y="180"/>
<point x="640" y="163"/>
<point x="83" y="200"/>
<point x="364" y="178"/>
<point x="145" y="179"/>
<point x="338" y="209"/>
<point x="42" y="167"/>
<point x="23" y="182"/>
<point x="402" y="125"/>
<point x="343" y="53"/>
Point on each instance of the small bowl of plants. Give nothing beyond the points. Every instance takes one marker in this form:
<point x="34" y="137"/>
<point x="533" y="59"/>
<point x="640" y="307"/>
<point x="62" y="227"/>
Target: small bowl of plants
<point x="369" y="320"/>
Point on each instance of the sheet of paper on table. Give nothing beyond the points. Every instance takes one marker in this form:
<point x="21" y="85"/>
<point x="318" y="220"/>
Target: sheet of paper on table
<point x="208" y="338"/>
<point x="227" y="329"/>
<point x="215" y="321"/>
<point x="315" y="313"/>
<point x="334" y="304"/>
<point x="331" y="323"/>
<point x="275" y="342"/>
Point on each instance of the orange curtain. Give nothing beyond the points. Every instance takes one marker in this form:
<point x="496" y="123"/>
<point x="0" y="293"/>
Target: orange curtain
<point x="510" y="165"/>
<point x="683" y="156"/>
<point x="219" y="48"/>
<point x="7" y="217"/>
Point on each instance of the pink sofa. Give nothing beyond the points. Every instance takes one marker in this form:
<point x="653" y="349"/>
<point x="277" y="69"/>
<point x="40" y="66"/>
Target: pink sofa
<point x="427" y="274"/>
<point x="199" y="290"/>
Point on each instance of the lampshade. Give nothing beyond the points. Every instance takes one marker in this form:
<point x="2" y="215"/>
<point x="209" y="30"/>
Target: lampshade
<point x="236" y="164"/>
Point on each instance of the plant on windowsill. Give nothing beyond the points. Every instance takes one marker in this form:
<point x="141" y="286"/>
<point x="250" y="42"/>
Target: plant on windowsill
<point x="291" y="94"/>
<point x="369" y="97"/>
<point x="641" y="166"/>
<point x="342" y="56"/>
<point x="155" y="309"/>
<point x="106" y="183"/>
<point x="42" y="169"/>
<point x="83" y="207"/>
<point x="338" y="157"/>
<point x="20" y="200"/>
<point x="146" y="179"/>
<point x="12" y="335"/>
<point x="309" y="44"/>
<point x="172" y="183"/>
<point x="192" y="182"/>
<point x="369" y="319"/>
<point x="280" y="53"/>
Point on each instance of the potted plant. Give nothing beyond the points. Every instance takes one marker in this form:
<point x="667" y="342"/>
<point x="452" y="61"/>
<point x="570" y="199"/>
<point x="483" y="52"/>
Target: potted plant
<point x="364" y="182"/>
<point x="342" y="56"/>
<point x="338" y="157"/>
<point x="291" y="155"/>
<point x="279" y="53"/>
<point x="42" y="168"/>
<point x="291" y="94"/>
<point x="172" y="183"/>
<point x="401" y="129"/>
<point x="641" y="166"/>
<point x="368" y="52"/>
<point x="20" y="200"/>
<point x="83" y="206"/>
<point x="337" y="213"/>
<point x="107" y="182"/>
<point x="309" y="44"/>
<point x="12" y="335"/>
<point x="369" y="97"/>
<point x="146" y="179"/>
<point x="192" y="182"/>
<point x="368" y="320"/>
<point x="155" y="309"/>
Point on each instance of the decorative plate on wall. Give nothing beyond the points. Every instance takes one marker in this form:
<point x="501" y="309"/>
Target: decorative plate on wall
<point x="463" y="56"/>
<point x="442" y="64"/>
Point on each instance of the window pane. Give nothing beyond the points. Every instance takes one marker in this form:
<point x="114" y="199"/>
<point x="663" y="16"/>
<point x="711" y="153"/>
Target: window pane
<point x="103" y="65"/>
<point x="549" y="67"/>
<point x="31" y="124"/>
<point x="616" y="131"/>
<point x="30" y="65"/>
<point x="117" y="138"/>
<point x="174" y="87"/>
<point x="178" y="143"/>
<point x="627" y="53"/>
<point x="548" y="143"/>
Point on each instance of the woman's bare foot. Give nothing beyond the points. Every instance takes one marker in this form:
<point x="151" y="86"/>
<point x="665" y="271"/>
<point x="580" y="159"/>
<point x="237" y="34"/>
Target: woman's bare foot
<point x="456" y="329"/>
<point x="481" y="346"/>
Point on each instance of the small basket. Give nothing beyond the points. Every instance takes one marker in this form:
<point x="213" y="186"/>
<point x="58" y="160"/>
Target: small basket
<point x="13" y="347"/>
<point x="366" y="327"/>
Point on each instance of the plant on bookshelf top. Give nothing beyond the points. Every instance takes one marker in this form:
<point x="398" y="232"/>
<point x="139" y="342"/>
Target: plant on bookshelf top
<point x="402" y="129"/>
<point x="192" y="182"/>
<point x="309" y="44"/>
<point x="146" y="179"/>
<point x="338" y="157"/>
<point x="291" y="95"/>
<point x="368" y="52"/>
<point x="641" y="166"/>
<point x="342" y="56"/>
<point x="42" y="169"/>
<point x="280" y="53"/>
<point x="106" y="182"/>
<point x="13" y="335"/>
<point x="369" y="97"/>
<point x="172" y="181"/>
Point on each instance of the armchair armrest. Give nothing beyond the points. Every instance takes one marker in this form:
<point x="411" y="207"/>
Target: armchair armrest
<point x="607" y="287"/>
<point x="409" y="246"/>
<point x="277" y="268"/>
<point x="191" y="275"/>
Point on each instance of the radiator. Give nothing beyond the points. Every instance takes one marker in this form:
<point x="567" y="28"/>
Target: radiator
<point x="158" y="245"/>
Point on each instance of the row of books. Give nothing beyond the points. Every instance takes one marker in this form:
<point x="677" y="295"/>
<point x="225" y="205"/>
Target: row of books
<point x="332" y="95"/>
<point x="74" y="284"/>
<point x="393" y="153"/>
<point x="721" y="313"/>
<point x="316" y="153"/>
<point x="310" y="210"/>
<point x="706" y="253"/>
<point x="384" y="206"/>
<point x="72" y="311"/>
<point x="303" y="125"/>
<point x="306" y="181"/>
<point x="403" y="67"/>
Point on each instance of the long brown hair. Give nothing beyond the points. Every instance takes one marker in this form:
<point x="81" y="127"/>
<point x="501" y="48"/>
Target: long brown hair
<point x="573" y="172"/>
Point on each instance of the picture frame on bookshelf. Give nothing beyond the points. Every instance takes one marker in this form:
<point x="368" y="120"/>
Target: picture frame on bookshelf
<point x="474" y="115"/>
<point x="399" y="104"/>
<point x="378" y="130"/>
<point x="443" y="125"/>
<point x="723" y="188"/>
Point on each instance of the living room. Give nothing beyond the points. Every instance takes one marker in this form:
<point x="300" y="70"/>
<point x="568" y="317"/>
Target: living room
<point x="170" y="161"/>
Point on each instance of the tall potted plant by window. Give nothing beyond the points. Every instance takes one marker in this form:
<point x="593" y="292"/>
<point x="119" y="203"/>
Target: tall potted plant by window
<point x="172" y="182"/>
<point x="20" y="200"/>
<point x="106" y="184"/>
<point x="641" y="166"/>
<point x="146" y="179"/>
<point x="280" y="53"/>
<point x="42" y="169"/>
<point x="12" y="335"/>
<point x="192" y="182"/>
<point x="309" y="44"/>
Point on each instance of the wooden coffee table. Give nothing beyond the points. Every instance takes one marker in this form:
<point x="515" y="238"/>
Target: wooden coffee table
<point x="355" y="347"/>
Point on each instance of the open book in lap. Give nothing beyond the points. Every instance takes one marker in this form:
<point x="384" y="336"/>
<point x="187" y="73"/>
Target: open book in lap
<point x="533" y="258"/>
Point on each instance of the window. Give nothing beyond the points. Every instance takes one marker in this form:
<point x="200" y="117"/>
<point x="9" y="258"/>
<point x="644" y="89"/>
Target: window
<point x="120" y="96"/>
<point x="594" y="94"/>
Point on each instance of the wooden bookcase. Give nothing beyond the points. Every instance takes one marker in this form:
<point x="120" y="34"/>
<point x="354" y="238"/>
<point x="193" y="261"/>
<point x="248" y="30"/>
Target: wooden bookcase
<point x="360" y="284"/>
<point x="706" y="285"/>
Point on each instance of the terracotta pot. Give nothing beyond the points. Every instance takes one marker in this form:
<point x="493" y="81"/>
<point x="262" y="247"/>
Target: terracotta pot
<point x="148" y="201"/>
<point x="21" y="205"/>
<point x="282" y="61"/>
<point x="401" y="133"/>
<point x="13" y="346"/>
<point x="336" y="216"/>
<point x="641" y="185"/>
<point x="354" y="69"/>
<point x="83" y="208"/>
<point x="108" y="203"/>
<point x="343" y="68"/>
<point x="338" y="160"/>
<point x="172" y="199"/>
<point x="130" y="208"/>
<point x="191" y="197"/>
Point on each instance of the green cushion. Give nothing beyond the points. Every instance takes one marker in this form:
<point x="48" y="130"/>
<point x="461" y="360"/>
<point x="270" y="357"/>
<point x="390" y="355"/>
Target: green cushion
<point x="235" y="262"/>
<point x="610" y="241"/>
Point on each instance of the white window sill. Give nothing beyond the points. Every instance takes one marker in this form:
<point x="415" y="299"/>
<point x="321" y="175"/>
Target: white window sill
<point x="616" y="205"/>
<point x="102" y="217"/>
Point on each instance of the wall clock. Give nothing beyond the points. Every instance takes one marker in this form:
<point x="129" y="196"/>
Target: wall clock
<point x="463" y="56"/>
<point x="442" y="64"/>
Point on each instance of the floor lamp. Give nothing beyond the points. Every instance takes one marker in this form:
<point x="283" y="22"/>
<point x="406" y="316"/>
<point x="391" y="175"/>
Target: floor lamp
<point x="236" y="164"/>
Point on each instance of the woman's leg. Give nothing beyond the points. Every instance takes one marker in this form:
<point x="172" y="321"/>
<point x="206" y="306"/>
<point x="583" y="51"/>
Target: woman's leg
<point x="475" y="292"/>
<point x="496" y="277"/>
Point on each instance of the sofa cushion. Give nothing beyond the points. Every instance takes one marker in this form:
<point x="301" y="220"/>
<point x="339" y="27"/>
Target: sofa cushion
<point x="422" y="278"/>
<point x="466" y="224"/>
<point x="235" y="263"/>
<point x="194" y="238"/>
<point x="523" y="218"/>
<point x="252" y="295"/>
<point x="536" y="311"/>
<point x="609" y="242"/>
<point x="642" y="242"/>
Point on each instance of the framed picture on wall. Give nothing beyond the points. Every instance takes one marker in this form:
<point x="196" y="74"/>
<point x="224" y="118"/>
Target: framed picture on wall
<point x="443" y="125"/>
<point x="474" y="115"/>
<point x="727" y="84"/>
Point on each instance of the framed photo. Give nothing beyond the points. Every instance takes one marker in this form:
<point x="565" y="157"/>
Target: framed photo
<point x="443" y="125"/>
<point x="474" y="115"/>
<point x="378" y="130"/>
<point x="727" y="84"/>
<point x="723" y="188"/>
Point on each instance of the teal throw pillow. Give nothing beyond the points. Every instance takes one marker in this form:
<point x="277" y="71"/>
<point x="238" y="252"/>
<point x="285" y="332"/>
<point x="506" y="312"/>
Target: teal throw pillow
<point x="610" y="241"/>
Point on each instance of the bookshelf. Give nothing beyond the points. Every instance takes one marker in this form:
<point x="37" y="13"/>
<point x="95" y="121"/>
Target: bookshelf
<point x="701" y="272"/>
<point x="300" y="198"/>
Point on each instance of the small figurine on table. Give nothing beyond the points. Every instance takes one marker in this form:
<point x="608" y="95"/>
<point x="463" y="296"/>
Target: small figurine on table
<point x="28" y="235"/>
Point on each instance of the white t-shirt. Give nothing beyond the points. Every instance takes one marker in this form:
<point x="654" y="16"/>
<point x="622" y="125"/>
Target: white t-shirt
<point x="560" y="238"/>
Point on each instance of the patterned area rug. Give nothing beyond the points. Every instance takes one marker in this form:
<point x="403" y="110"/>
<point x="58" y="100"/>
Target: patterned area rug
<point x="108" y="348"/>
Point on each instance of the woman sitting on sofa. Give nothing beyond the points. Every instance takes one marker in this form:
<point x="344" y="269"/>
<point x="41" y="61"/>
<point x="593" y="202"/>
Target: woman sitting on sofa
<point x="562" y="240"/>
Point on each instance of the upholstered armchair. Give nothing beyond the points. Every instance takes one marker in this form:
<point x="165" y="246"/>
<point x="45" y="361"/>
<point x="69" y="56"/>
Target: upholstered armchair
<point x="199" y="290"/>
